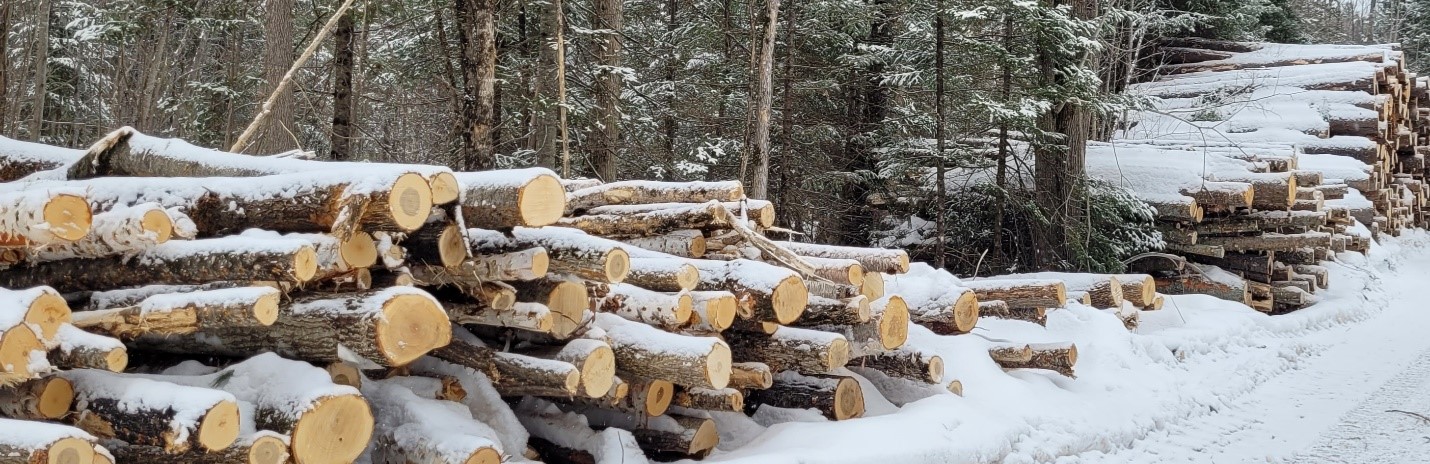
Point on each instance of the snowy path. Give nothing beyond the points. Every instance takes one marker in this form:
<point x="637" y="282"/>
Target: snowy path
<point x="1331" y="404"/>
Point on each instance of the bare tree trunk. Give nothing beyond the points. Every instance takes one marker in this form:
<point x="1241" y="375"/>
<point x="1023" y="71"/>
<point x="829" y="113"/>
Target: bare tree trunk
<point x="277" y="135"/>
<point x="42" y="68"/>
<point x="477" y="33"/>
<point x="548" y="137"/>
<point x="668" y="123"/>
<point x="559" y="16"/>
<point x="1002" y="172"/>
<point x="4" y="66"/>
<point x="781" y="195"/>
<point x="605" y="138"/>
<point x="941" y="197"/>
<point x="341" y="139"/>
<point x="757" y="146"/>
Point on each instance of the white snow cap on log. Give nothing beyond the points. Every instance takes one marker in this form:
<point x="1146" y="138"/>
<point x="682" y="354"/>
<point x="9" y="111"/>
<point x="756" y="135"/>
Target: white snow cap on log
<point x="135" y="393"/>
<point x="483" y="400"/>
<point x="442" y="427"/>
<point x="34" y="434"/>
<point x="15" y="303"/>
<point x="923" y="285"/>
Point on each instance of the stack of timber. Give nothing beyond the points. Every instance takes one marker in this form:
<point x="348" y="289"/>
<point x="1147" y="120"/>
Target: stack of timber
<point x="172" y="303"/>
<point x="1264" y="160"/>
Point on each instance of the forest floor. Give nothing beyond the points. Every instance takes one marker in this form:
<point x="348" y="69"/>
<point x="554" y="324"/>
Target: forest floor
<point x="1203" y="380"/>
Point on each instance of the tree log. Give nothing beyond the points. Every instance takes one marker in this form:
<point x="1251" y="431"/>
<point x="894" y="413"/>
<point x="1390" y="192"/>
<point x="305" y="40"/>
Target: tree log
<point x="1021" y="294"/>
<point x="44" y="216"/>
<point x="177" y="262"/>
<point x="751" y="375"/>
<point x="945" y="311"/>
<point x="1271" y="241"/>
<point x="520" y="375"/>
<point x="503" y="199"/>
<point x="118" y="231"/>
<point x="186" y="313"/>
<point x="645" y="192"/>
<point x="670" y="435"/>
<point x="873" y="287"/>
<point x="593" y="358"/>
<point x="1059" y="357"/>
<point x="569" y="252"/>
<point x="712" y="311"/>
<point x="78" y="349"/>
<point x="685" y="243"/>
<point x="40" y="306"/>
<point x="792" y="348"/>
<point x="410" y="428"/>
<point x="643" y="398"/>
<point x="1138" y="289"/>
<point x="836" y="397"/>
<point x="645" y="352"/>
<point x="261" y="448"/>
<point x="533" y="317"/>
<point x="668" y="311"/>
<point x="1220" y="284"/>
<point x="999" y="309"/>
<point x="437" y="243"/>
<point x="45" y="399"/>
<point x="872" y="259"/>
<point x="703" y="216"/>
<point x="17" y="343"/>
<point x="19" y="158"/>
<point x="662" y="274"/>
<point x="725" y="399"/>
<point x="828" y="311"/>
<point x="1227" y="195"/>
<point x="568" y="300"/>
<point x="904" y="363"/>
<point x="32" y="442"/>
<point x="153" y="413"/>
<point x="768" y="293"/>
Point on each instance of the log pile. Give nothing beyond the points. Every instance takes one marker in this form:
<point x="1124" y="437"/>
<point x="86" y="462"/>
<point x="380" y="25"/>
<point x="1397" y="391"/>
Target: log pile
<point x="171" y="303"/>
<point x="1329" y="159"/>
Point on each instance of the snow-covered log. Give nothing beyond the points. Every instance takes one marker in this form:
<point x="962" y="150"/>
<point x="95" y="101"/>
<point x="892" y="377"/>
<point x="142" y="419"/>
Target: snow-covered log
<point x="685" y="243"/>
<point x="1104" y="289"/>
<point x="751" y="375"/>
<point x="20" y="158"/>
<point x="1138" y="289"/>
<point x="904" y="363"/>
<point x="185" y="313"/>
<point x="259" y="448"/>
<point x="503" y="199"/>
<point x="568" y="301"/>
<point x="669" y="435"/>
<point x="760" y="213"/>
<point x="410" y="428"/>
<point x="1010" y="352"/>
<point x="38" y="217"/>
<point x="593" y="358"/>
<point x="569" y="251"/>
<point x="662" y="274"/>
<point x="438" y="243"/>
<point x="647" y="192"/>
<point x="439" y="387"/>
<point x="388" y="327"/>
<point x="1021" y="294"/>
<point x="769" y="293"/>
<point x="40" y="306"/>
<point x="999" y="309"/>
<point x="326" y="422"/>
<point x="643" y="398"/>
<point x="1059" y="357"/>
<point x="703" y="216"/>
<point x="872" y="259"/>
<point x="792" y="348"/>
<point x="838" y="270"/>
<point x="668" y="311"/>
<point x="521" y="375"/>
<point x="712" y="311"/>
<point x="32" y="442"/>
<point x="18" y="345"/>
<point x="829" y="311"/>
<point x="46" y="398"/>
<point x="147" y="412"/>
<point x="73" y="348"/>
<point x="176" y="262"/>
<point x="645" y="352"/>
<point x="837" y="397"/>
<point x="533" y="317"/>
<point x="121" y="230"/>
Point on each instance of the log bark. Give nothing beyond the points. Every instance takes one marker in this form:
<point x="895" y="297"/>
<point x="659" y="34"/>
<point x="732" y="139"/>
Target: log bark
<point x="725" y="399"/>
<point x="1058" y="357"/>
<point x="768" y="293"/>
<point x="179" y="262"/>
<point x="1226" y="195"/>
<point x="645" y="352"/>
<point x="704" y="216"/>
<point x="828" y="311"/>
<point x="186" y="313"/>
<point x="503" y="199"/>
<point x="388" y="328"/>
<point x="593" y="358"/>
<point x="261" y="448"/>
<point x="836" y="397"/>
<point x="643" y="398"/>
<point x="46" y="398"/>
<point x="118" y="231"/>
<point x="671" y="436"/>
<point x="685" y="243"/>
<point x="792" y="348"/>
<point x="1225" y="286"/>
<point x="147" y="412"/>
<point x="1271" y="241"/>
<point x="712" y="311"/>
<point x="751" y="375"/>
<point x="1274" y="191"/>
<point x="1021" y="294"/>
<point x="410" y="428"/>
<point x="569" y="252"/>
<point x="1138" y="289"/>
<point x="568" y="300"/>
<point x="532" y="317"/>
<point x="904" y="363"/>
<point x="77" y="349"/>
<point x="662" y="274"/>
<point x="1000" y="310"/>
<point x="872" y="259"/>
<point x="38" y="217"/>
<point x="839" y="271"/>
<point x="950" y="311"/>
<point x="436" y="243"/>
<point x="646" y="192"/>
<point x="668" y="311"/>
<point x="520" y="375"/>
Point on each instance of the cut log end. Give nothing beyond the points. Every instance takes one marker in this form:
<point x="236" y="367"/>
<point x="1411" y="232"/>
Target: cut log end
<point x="158" y="223"/>
<point x="720" y="312"/>
<point x="268" y="449"/>
<point x="687" y="277"/>
<point x="305" y="264"/>
<point x="359" y="250"/>
<point x="965" y="312"/>
<point x="412" y="325"/>
<point x="789" y="298"/>
<point x="68" y="216"/>
<point x="839" y="351"/>
<point x="48" y="311"/>
<point x="344" y="374"/>
<point x="618" y="265"/>
<point x="568" y="302"/>
<point x="848" y="399"/>
<point x="116" y="360"/>
<point x="219" y="427"/>
<point x="336" y="429"/>
<point x="598" y="372"/>
<point x="873" y="286"/>
<point x="70" y="450"/>
<point x="657" y="397"/>
<point x="445" y="188"/>
<point x="266" y="308"/>
<point x="16" y="345"/>
<point x="409" y="202"/>
<point x="540" y="263"/>
<point x="718" y="365"/>
<point x="451" y="246"/>
<point x="936" y="369"/>
<point x="706" y="438"/>
<point x="542" y="201"/>
<point x="55" y="399"/>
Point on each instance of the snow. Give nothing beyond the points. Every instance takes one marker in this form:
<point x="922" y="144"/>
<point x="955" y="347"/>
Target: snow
<point x="924" y="287"/>
<point x="206" y="298"/>
<point x="482" y="401"/>
<point x="35" y="435"/>
<point x="269" y="382"/>
<point x="445" y="429"/>
<point x="15" y="303"/>
<point x="750" y="274"/>
<point x="131" y="394"/>
<point x="70" y="338"/>
<point x="621" y="333"/>
<point x="1136" y="392"/>
<point x="19" y="150"/>
<point x="230" y="245"/>
<point x="369" y="304"/>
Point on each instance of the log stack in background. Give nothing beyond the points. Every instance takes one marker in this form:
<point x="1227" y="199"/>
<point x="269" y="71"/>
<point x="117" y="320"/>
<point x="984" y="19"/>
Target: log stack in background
<point x="337" y="309"/>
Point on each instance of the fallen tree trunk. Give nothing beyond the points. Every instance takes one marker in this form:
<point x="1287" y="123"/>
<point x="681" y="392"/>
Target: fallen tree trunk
<point x="872" y="259"/>
<point x="186" y="313"/>
<point x="43" y="216"/>
<point x="115" y="232"/>
<point x="78" y="349"/>
<point x="645" y="352"/>
<point x="569" y="252"/>
<point x="147" y="412"/>
<point x="904" y="363"/>
<point x="178" y="262"/>
<point x="1021" y="294"/>
<point x="836" y="397"/>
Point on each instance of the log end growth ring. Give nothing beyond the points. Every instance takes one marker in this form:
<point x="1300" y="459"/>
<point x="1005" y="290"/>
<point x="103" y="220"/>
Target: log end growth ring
<point x="451" y="246"/>
<point x="965" y="311"/>
<point x="116" y="359"/>
<point x="568" y="302"/>
<point x="445" y="188"/>
<point x="718" y="365"/>
<point x="894" y="323"/>
<point x="706" y="437"/>
<point x="658" y="395"/>
<point x="542" y="201"/>
<point x="684" y="307"/>
<point x="848" y="399"/>
<point x="410" y="201"/>
<point x="617" y="266"/>
<point x="484" y="456"/>
<point x="789" y="298"/>
<point x="336" y="429"/>
<point x="540" y="262"/>
<point x="68" y="217"/>
<point x="70" y="450"/>
<point x="721" y="312"/>
<point x="48" y="311"/>
<point x="265" y="308"/>
<point x="687" y="277"/>
<point x="268" y="449"/>
<point x="158" y="223"/>
<point x="838" y="353"/>
<point x="305" y="264"/>
<point x="359" y="250"/>
<point x="56" y="398"/>
<point x="411" y="326"/>
<point x="219" y="427"/>
<point x="15" y="347"/>
<point x="598" y="373"/>
<point x="935" y="372"/>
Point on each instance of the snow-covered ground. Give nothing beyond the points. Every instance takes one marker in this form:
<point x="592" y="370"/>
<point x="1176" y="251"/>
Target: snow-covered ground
<point x="1202" y="380"/>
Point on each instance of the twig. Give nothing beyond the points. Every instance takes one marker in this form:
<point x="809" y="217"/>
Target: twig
<point x="1422" y="417"/>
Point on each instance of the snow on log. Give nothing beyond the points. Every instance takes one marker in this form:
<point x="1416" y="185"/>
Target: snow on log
<point x="40" y="306"/>
<point x="1248" y="55"/>
<point x="999" y="309"/>
<point x="792" y="348"/>
<point x="32" y="442"/>
<point x="1021" y="294"/>
<point x="568" y="301"/>
<point x="668" y="311"/>
<point x="443" y="387"/>
<point x="46" y="398"/>
<point x="904" y="363"/>
<point x="43" y="216"/>
<point x="703" y="216"/>
<point x="327" y="422"/>
<point x="872" y="259"/>
<point x="1104" y="289"/>
<point x="643" y="398"/>
<point x="572" y="185"/>
<point x="503" y="199"/>
<point x="263" y="447"/>
<point x="669" y="274"/>
<point x="1274" y="191"/>
<point x="1225" y="195"/>
<point x="186" y="313"/>
<point x="121" y="230"/>
<point x="410" y="428"/>
<point x="1058" y="357"/>
<point x="712" y="311"/>
<point x="1138" y="289"/>
<point x="751" y="375"/>
<point x="388" y="327"/>
<point x="645" y="352"/>
<point x="936" y="299"/>
<point x="760" y="213"/>
<point x="74" y="348"/>
<point x="521" y="375"/>
<point x="668" y="435"/>
<point x="19" y="158"/>
<point x="768" y="293"/>
<point x="569" y="251"/>
<point x="829" y="311"/>
<point x="1271" y="241"/>
<point x="839" y="271"/>
<point x="685" y="243"/>
<point x="176" y="262"/>
<point x="147" y="412"/>
<point x="533" y="317"/>
<point x="709" y="399"/>
<point x="647" y="192"/>
<point x="593" y="358"/>
<point x="837" y="397"/>
<point x="1010" y="352"/>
